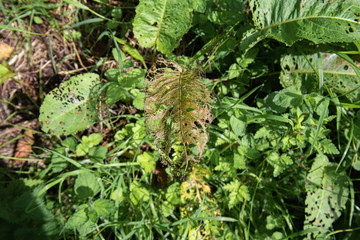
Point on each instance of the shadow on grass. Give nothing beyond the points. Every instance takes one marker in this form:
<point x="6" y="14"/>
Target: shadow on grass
<point x="23" y="214"/>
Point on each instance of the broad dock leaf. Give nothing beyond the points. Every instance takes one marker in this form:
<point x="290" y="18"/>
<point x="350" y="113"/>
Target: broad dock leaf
<point x="70" y="107"/>
<point x="327" y="194"/>
<point x="162" y="23"/>
<point x="289" y="21"/>
<point x="339" y="75"/>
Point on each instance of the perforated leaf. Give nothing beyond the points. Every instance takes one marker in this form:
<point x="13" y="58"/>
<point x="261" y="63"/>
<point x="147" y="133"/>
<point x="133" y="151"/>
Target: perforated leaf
<point x="162" y="23"/>
<point x="327" y="194"/>
<point x="339" y="76"/>
<point x="289" y="21"/>
<point x="178" y="111"/>
<point x="72" y="106"/>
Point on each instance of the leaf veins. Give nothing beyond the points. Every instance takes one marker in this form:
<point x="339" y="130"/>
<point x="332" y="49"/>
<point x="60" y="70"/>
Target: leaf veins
<point x="178" y="111"/>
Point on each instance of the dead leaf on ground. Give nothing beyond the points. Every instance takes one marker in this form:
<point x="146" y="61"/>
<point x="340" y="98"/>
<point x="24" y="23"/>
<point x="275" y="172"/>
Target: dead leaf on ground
<point x="23" y="148"/>
<point x="5" y="50"/>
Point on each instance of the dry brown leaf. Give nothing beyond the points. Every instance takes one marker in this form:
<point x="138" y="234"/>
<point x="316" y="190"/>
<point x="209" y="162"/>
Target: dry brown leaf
<point x="5" y="50"/>
<point x="178" y="111"/>
<point x="23" y="148"/>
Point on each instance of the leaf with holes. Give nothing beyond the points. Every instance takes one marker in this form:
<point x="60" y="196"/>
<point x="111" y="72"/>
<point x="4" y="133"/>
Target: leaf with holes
<point x="339" y="75"/>
<point x="289" y="21"/>
<point x="178" y="111"/>
<point x="327" y="194"/>
<point x="162" y="23"/>
<point x="72" y="106"/>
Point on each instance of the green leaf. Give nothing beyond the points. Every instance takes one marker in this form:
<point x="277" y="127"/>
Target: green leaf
<point x="139" y="193"/>
<point x="113" y="74"/>
<point x="79" y="218"/>
<point x="114" y="93"/>
<point x="81" y="150"/>
<point x="139" y="131"/>
<point x="289" y="21"/>
<point x="339" y="75"/>
<point x="86" y="227"/>
<point x="278" y="162"/>
<point x="139" y="100"/>
<point x="327" y="194"/>
<point x="167" y="208"/>
<point x="262" y="133"/>
<point x="86" y="185"/>
<point x="69" y="142"/>
<point x="162" y="23"/>
<point x="328" y="147"/>
<point x="93" y="140"/>
<point x="121" y="134"/>
<point x="273" y="221"/>
<point x="239" y="161"/>
<point x="281" y="100"/>
<point x="104" y="208"/>
<point x="238" y="193"/>
<point x="133" y="78"/>
<point x="98" y="153"/>
<point x="5" y="72"/>
<point x="238" y="126"/>
<point x="173" y="194"/>
<point x="317" y="103"/>
<point x="58" y="163"/>
<point x="38" y="20"/>
<point x="146" y="161"/>
<point x="116" y="13"/>
<point x="132" y="51"/>
<point x="198" y="5"/>
<point x="119" y="56"/>
<point x="235" y="71"/>
<point x="117" y="195"/>
<point x="71" y="107"/>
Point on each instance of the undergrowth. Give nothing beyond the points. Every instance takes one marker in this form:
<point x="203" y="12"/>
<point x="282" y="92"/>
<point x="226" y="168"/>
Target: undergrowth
<point x="238" y="120"/>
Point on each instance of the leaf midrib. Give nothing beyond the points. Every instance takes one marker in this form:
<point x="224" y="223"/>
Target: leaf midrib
<point x="161" y="20"/>
<point x="308" y="18"/>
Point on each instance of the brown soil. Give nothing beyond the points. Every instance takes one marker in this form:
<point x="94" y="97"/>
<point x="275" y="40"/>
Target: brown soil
<point x="40" y="62"/>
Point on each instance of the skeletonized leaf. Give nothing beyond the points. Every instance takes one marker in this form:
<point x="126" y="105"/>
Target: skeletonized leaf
<point x="178" y="111"/>
<point x="162" y="23"/>
<point x="289" y="21"/>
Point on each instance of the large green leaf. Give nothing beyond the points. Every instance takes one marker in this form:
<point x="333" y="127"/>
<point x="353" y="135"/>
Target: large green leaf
<point x="339" y="75"/>
<point x="289" y="21"/>
<point x="162" y="23"/>
<point x="70" y="107"/>
<point x="327" y="194"/>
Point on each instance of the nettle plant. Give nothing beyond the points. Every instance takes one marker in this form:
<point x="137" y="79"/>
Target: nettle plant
<point x="273" y="155"/>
